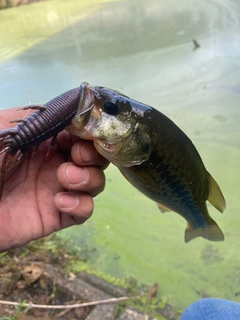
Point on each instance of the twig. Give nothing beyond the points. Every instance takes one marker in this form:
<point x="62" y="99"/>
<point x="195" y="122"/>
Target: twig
<point x="61" y="313"/>
<point x="69" y="306"/>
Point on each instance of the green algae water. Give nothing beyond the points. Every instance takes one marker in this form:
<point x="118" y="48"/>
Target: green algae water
<point x="145" y="50"/>
<point x="24" y="27"/>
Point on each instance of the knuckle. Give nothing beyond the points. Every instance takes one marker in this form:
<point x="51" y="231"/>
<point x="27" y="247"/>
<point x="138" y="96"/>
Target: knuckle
<point x="96" y="181"/>
<point x="85" y="208"/>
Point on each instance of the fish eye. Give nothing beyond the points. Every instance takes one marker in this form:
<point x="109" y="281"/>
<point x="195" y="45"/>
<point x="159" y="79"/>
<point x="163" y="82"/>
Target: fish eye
<point x="110" y="108"/>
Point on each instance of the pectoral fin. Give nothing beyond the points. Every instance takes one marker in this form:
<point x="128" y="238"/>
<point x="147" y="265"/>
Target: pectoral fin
<point x="215" y="196"/>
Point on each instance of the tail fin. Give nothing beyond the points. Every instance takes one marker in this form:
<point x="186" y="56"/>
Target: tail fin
<point x="211" y="232"/>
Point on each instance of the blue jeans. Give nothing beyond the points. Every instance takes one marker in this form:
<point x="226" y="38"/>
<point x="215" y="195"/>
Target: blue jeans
<point x="212" y="309"/>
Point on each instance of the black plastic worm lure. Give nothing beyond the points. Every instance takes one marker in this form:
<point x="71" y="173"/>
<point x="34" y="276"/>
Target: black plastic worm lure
<point x="47" y="122"/>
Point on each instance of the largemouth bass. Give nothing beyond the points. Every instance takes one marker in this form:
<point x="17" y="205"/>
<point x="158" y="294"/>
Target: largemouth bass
<point x="153" y="154"/>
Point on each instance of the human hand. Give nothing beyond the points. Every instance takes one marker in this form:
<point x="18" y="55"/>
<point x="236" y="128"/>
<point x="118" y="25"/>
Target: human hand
<point x="35" y="202"/>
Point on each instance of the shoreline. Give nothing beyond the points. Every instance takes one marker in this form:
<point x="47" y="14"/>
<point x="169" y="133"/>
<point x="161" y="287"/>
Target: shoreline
<point x="6" y="4"/>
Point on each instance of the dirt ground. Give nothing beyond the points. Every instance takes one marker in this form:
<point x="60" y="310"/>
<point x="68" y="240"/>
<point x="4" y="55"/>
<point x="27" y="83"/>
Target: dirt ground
<point x="24" y="278"/>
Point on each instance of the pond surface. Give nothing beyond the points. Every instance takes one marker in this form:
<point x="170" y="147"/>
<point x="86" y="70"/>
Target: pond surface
<point x="145" y="50"/>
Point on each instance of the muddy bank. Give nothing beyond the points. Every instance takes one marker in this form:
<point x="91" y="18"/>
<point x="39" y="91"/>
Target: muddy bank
<point x="41" y="274"/>
<point x="4" y="4"/>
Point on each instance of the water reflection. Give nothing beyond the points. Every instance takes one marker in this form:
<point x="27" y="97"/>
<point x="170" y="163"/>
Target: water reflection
<point x="144" y="48"/>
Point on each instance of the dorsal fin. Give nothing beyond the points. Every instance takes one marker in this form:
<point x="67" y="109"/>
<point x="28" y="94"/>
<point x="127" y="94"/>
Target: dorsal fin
<point x="215" y="196"/>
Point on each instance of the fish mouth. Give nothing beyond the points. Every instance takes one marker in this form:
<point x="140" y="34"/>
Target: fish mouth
<point x="87" y="116"/>
<point x="89" y="120"/>
<point x="105" y="147"/>
<point x="107" y="150"/>
<point x="113" y="152"/>
<point x="86" y="99"/>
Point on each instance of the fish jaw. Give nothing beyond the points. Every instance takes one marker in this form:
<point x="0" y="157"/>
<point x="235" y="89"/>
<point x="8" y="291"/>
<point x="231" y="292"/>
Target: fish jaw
<point x="119" y="138"/>
<point x="86" y="122"/>
<point x="84" y="111"/>
<point x="114" y="154"/>
<point x="85" y="105"/>
<point x="114" y="140"/>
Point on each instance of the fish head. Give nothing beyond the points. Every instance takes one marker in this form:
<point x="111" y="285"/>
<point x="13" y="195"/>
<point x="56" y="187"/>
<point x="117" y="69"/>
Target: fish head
<point x="116" y="124"/>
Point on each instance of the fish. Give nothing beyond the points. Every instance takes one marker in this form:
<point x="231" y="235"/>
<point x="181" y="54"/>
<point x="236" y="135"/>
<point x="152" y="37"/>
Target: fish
<point x="153" y="154"/>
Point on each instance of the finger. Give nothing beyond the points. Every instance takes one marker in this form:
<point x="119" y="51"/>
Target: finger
<point x="64" y="141"/>
<point x="77" y="206"/>
<point x="86" y="179"/>
<point x="84" y="154"/>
